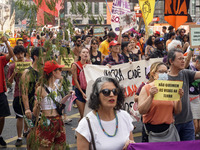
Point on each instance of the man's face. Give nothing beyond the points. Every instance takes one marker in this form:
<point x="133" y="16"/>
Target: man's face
<point x="125" y="39"/>
<point x="20" y="56"/>
<point x="88" y="39"/>
<point x="160" y="45"/>
<point x="20" y="43"/>
<point x="78" y="42"/>
<point x="163" y="30"/>
<point x="182" y="32"/>
<point x="110" y="39"/>
<point x="179" y="61"/>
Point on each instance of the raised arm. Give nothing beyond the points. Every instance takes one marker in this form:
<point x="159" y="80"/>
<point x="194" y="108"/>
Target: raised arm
<point x="189" y="56"/>
<point x="10" y="50"/>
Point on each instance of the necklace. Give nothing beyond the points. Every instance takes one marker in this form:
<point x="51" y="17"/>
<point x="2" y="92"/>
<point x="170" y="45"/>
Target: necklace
<point x="104" y="129"/>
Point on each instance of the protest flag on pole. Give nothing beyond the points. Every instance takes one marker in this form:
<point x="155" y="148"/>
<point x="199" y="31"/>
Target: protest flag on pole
<point x="147" y="7"/>
<point x="176" y="12"/>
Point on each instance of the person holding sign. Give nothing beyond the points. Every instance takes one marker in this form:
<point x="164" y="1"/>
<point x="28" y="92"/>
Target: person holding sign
<point x="107" y="126"/>
<point x="14" y="74"/>
<point x="157" y="114"/>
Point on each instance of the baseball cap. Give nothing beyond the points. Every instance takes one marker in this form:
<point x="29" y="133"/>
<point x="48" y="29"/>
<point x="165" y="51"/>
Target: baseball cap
<point x="157" y="32"/>
<point x="51" y="65"/>
<point x="113" y="43"/>
<point x="158" y="40"/>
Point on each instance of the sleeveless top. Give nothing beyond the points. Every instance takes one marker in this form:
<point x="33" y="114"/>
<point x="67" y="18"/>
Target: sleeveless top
<point x="96" y="60"/>
<point x="47" y="103"/>
<point x="78" y="72"/>
<point x="34" y="76"/>
<point x="160" y="112"/>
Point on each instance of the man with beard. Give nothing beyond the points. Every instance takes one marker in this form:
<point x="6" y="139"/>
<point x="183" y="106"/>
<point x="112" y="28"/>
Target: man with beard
<point x="77" y="47"/>
<point x="104" y="46"/>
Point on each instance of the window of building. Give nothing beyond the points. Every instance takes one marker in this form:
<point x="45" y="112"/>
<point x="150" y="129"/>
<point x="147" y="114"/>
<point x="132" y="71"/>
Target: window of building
<point x="65" y="7"/>
<point x="96" y="8"/>
<point x="104" y="9"/>
<point x="89" y="8"/>
<point x="77" y="21"/>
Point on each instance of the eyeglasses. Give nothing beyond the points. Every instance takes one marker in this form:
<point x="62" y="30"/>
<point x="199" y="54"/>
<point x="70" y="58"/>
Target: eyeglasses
<point x="95" y="43"/>
<point x="106" y="92"/>
<point x="78" y="40"/>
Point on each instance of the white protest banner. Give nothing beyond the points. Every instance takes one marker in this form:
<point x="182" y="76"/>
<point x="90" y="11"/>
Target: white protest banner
<point x="129" y="75"/>
<point x="128" y="20"/>
<point x="194" y="36"/>
<point x="119" y="8"/>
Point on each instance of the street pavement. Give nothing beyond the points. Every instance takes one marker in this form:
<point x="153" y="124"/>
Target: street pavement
<point x="10" y="133"/>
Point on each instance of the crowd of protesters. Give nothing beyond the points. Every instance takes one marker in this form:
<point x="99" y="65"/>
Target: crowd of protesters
<point x="32" y="88"/>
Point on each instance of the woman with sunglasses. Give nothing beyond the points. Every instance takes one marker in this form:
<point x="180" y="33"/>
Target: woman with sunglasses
<point x="95" y="55"/>
<point x="50" y="132"/>
<point x="112" y="127"/>
<point x="157" y="114"/>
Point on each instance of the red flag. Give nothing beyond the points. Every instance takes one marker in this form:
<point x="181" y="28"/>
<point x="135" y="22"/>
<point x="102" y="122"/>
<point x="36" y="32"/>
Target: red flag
<point x="176" y="12"/>
<point x="44" y="6"/>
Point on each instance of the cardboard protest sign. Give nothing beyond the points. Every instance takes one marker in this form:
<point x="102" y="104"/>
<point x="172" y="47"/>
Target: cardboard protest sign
<point x="119" y="8"/>
<point x="168" y="90"/>
<point x="194" y="36"/>
<point x="67" y="62"/>
<point x="130" y="76"/>
<point x="21" y="66"/>
<point x="128" y="20"/>
<point x="99" y="31"/>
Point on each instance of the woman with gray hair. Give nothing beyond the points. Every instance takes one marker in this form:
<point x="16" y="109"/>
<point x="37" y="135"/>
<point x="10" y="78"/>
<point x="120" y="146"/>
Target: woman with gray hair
<point x="106" y="126"/>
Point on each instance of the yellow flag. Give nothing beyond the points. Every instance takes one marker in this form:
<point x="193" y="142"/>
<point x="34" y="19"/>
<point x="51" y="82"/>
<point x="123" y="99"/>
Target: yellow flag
<point x="147" y="8"/>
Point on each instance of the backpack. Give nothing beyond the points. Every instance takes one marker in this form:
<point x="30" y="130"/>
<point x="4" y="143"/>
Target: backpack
<point x="82" y="79"/>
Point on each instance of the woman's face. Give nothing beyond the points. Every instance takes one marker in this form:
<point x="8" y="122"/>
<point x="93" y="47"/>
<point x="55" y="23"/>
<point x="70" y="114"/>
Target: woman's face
<point x="129" y="47"/>
<point x="132" y="43"/>
<point x="94" y="44"/>
<point x="161" y="69"/>
<point x="57" y="73"/>
<point x="108" y="95"/>
<point x="84" y="54"/>
<point x="153" y="39"/>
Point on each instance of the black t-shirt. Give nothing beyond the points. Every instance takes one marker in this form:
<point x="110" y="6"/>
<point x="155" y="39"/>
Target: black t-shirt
<point x="136" y="56"/>
<point x="96" y="60"/>
<point x="127" y="58"/>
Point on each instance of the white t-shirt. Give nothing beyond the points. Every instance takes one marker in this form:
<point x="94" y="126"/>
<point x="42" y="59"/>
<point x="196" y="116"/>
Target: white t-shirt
<point x="102" y="141"/>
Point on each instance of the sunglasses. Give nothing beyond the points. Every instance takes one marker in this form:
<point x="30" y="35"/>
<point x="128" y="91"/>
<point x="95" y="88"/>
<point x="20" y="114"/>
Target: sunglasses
<point x="78" y="40"/>
<point x="60" y="69"/>
<point x="95" y="43"/>
<point x="106" y="92"/>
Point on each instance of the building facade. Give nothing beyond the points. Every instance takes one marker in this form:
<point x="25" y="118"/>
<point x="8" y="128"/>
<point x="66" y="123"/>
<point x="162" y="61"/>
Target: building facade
<point x="95" y="9"/>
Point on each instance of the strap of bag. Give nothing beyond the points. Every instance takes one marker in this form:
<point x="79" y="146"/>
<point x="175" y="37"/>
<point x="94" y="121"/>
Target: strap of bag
<point x="78" y="66"/>
<point x="93" y="142"/>
<point x="145" y="129"/>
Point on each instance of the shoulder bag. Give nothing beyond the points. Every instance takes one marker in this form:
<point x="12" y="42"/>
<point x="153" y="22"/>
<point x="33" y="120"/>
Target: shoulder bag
<point x="169" y="135"/>
<point x="93" y="142"/>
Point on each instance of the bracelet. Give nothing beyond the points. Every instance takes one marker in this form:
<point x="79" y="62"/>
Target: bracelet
<point x="192" y="49"/>
<point x="27" y="109"/>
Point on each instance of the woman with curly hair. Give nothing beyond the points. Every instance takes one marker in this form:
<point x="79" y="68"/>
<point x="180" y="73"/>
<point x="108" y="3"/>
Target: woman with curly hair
<point x="112" y="127"/>
<point x="150" y="46"/>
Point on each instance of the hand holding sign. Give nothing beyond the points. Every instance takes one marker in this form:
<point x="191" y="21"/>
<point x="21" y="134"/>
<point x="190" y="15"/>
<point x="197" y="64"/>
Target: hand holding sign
<point x="153" y="90"/>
